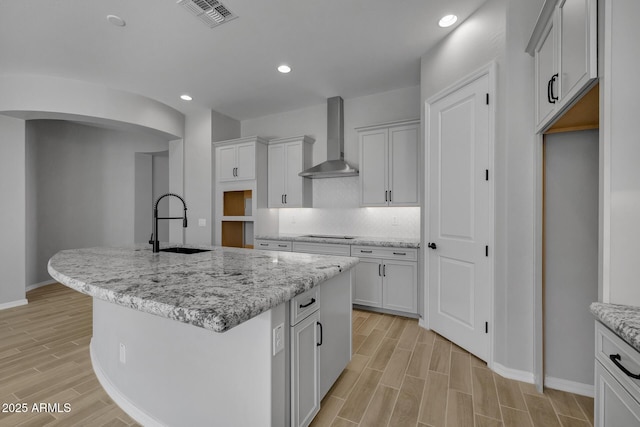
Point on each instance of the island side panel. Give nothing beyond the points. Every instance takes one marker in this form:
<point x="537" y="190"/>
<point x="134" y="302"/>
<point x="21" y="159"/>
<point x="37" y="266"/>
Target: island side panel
<point x="335" y="316"/>
<point x="179" y="374"/>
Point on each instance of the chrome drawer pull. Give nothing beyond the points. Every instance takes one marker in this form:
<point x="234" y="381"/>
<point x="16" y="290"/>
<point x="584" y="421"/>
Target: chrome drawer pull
<point x="615" y="358"/>
<point x="308" y="304"/>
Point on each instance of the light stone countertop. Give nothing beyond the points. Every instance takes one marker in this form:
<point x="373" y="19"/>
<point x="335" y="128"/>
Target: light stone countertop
<point x="624" y="320"/>
<point x="395" y="242"/>
<point x="215" y="290"/>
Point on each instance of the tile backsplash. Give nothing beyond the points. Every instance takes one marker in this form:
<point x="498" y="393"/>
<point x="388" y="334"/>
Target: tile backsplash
<point x="336" y="210"/>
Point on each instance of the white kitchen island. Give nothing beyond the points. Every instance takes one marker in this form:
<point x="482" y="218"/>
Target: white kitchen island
<point x="189" y="339"/>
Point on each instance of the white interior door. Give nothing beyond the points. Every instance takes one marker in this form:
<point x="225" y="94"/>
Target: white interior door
<point x="459" y="269"/>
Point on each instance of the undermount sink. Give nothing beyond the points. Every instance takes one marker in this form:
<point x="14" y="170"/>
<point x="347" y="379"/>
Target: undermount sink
<point x="185" y="250"/>
<point x="328" y="236"/>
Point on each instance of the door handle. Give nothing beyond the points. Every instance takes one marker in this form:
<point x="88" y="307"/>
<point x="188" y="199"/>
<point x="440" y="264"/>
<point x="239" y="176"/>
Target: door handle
<point x="432" y="245"/>
<point x="321" y="333"/>
<point x="308" y="304"/>
<point x="553" y="80"/>
<point x="615" y="358"/>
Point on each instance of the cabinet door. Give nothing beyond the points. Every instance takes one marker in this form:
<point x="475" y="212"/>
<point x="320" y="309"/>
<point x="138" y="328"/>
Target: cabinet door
<point x="545" y="70"/>
<point x="373" y="168"/>
<point x="293" y="182"/>
<point x="276" y="175"/>
<point x="403" y="166"/>
<point x="368" y="284"/>
<point x="246" y="163"/>
<point x="226" y="163"/>
<point x="578" y="45"/>
<point x="614" y="406"/>
<point x="305" y="371"/>
<point x="400" y="286"/>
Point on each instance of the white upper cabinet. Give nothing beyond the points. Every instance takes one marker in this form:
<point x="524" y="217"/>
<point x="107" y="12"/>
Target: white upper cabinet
<point x="287" y="158"/>
<point x="236" y="159"/>
<point x="564" y="44"/>
<point x="389" y="164"/>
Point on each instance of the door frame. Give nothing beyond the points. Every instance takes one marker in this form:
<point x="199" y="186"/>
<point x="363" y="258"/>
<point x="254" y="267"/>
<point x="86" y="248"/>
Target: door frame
<point x="489" y="70"/>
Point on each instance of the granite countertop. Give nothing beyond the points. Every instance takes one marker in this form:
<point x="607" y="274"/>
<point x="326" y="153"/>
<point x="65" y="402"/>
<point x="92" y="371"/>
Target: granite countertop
<point x="624" y="320"/>
<point x="396" y="242"/>
<point x="215" y="290"/>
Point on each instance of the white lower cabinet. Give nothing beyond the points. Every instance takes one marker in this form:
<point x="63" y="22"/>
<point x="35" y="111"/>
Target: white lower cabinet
<point x="385" y="280"/>
<point x="320" y="344"/>
<point x="617" y="397"/>
<point x="305" y="370"/>
<point x="272" y="245"/>
<point x="368" y="285"/>
<point x="614" y="405"/>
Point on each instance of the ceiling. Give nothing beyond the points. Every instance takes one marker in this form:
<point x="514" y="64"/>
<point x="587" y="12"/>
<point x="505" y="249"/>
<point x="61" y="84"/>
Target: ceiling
<point x="335" y="47"/>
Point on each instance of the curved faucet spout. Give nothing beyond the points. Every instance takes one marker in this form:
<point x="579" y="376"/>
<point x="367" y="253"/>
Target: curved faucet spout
<point x="156" y="242"/>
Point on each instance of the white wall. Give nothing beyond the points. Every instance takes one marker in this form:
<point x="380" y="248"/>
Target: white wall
<point x="84" y="184"/>
<point x="13" y="211"/>
<point x="336" y="200"/>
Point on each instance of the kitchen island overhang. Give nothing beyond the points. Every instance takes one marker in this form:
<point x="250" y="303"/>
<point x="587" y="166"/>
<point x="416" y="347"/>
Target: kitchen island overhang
<point x="207" y="358"/>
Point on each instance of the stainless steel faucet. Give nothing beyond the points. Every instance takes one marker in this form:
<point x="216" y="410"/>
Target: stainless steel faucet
<point x="154" y="237"/>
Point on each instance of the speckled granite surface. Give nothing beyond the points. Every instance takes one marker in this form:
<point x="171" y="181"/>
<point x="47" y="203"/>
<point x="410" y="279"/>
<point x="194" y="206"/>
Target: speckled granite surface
<point x="357" y="240"/>
<point x="624" y="320"/>
<point x="214" y="290"/>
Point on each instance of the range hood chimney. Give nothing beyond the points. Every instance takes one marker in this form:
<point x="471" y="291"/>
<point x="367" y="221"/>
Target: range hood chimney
<point x="335" y="166"/>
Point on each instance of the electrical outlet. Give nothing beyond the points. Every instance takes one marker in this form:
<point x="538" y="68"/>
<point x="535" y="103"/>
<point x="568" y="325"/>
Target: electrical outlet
<point x="202" y="222"/>
<point x="395" y="221"/>
<point x="123" y="354"/>
<point x="278" y="339"/>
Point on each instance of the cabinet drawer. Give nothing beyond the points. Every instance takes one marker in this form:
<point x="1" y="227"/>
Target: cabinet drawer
<point x="273" y="245"/>
<point x="607" y="344"/>
<point x="321" y="248"/>
<point x="304" y="304"/>
<point x="614" y="406"/>
<point x="384" y="252"/>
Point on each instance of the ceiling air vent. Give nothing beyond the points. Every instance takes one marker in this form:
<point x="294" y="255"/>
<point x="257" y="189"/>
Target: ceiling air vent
<point x="211" y="12"/>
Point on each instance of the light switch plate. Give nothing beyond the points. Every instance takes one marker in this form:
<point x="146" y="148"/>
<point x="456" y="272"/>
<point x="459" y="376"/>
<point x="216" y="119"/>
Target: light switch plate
<point x="202" y="222"/>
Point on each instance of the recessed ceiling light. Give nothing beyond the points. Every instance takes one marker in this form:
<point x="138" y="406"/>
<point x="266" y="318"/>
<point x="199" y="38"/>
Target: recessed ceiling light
<point x="186" y="97"/>
<point x="448" y="21"/>
<point x="116" y="20"/>
<point x="284" y="69"/>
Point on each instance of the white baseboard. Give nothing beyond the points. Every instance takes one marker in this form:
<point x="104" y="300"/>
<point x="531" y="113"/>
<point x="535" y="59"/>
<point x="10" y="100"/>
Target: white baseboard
<point x="423" y="323"/>
<point x="121" y="400"/>
<point x="513" y="374"/>
<point x="40" y="284"/>
<point x="570" y="386"/>
<point x="12" y="304"/>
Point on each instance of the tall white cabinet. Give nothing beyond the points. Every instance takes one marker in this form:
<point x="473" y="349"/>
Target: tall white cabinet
<point x="389" y="164"/>
<point x="240" y="190"/>
<point x="287" y="158"/>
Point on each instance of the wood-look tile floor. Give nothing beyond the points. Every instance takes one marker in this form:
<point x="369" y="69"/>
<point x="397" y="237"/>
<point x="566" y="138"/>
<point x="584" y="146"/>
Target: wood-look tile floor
<point x="44" y="358"/>
<point x="400" y="375"/>
<point x="403" y="375"/>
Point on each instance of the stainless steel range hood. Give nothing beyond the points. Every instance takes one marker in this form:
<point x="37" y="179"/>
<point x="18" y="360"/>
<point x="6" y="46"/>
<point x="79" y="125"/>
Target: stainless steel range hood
<point x="335" y="166"/>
